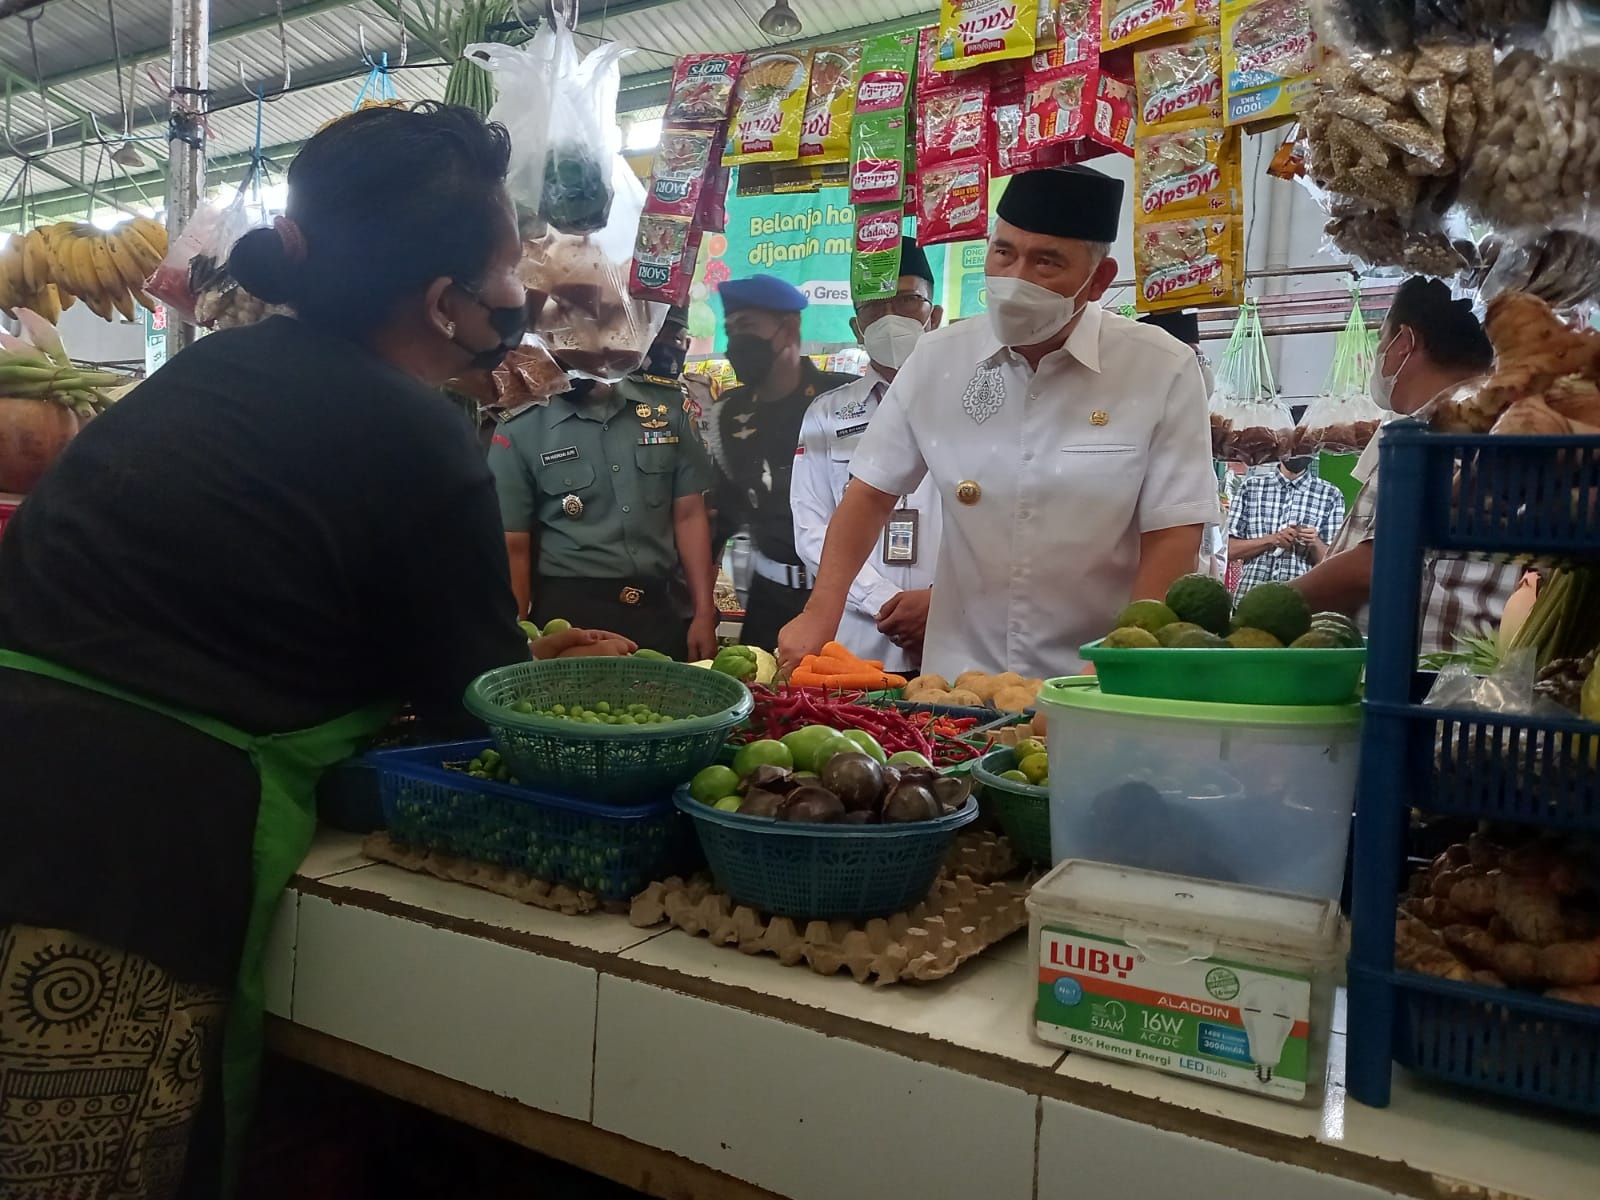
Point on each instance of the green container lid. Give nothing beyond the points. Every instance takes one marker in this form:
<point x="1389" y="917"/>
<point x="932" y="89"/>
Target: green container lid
<point x="1083" y="691"/>
<point x="1226" y="675"/>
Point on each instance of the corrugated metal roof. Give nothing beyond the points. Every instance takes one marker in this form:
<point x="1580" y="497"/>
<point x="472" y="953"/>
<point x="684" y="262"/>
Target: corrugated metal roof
<point x="322" y="35"/>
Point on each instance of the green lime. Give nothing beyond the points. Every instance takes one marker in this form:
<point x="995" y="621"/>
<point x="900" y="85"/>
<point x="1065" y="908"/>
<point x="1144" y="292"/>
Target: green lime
<point x="713" y="784"/>
<point x="1014" y="777"/>
<point x="765" y="753"/>
<point x="1130" y="638"/>
<point x="525" y="707"/>
<point x="815" y="744"/>
<point x="556" y="626"/>
<point x="1035" y="767"/>
<point x="529" y="628"/>
<point x="867" y="744"/>
<point x="1027" y="748"/>
<point x="909" y="758"/>
<point x="1149" y="615"/>
<point x="728" y="804"/>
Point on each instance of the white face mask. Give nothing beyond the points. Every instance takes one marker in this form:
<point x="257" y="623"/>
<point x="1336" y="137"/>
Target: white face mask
<point x="1381" y="387"/>
<point x="1024" y="314"/>
<point x="890" y="339"/>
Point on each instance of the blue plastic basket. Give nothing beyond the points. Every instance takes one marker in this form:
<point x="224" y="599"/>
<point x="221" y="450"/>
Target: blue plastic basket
<point x="823" y="872"/>
<point x="606" y="849"/>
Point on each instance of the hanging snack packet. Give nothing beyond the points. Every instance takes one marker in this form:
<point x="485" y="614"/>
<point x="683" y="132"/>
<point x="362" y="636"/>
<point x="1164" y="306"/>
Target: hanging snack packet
<point x="1179" y="83"/>
<point x="663" y="259"/>
<point x="979" y="31"/>
<point x="678" y="174"/>
<point x="1124" y="22"/>
<point x="1269" y="59"/>
<point x="1078" y="30"/>
<point x="880" y="128"/>
<point x="771" y="108"/>
<point x="1046" y="33"/>
<point x="1006" y="153"/>
<point x="1186" y="170"/>
<point x="825" y="133"/>
<point x="702" y="87"/>
<point x="875" y="259"/>
<point x="952" y="124"/>
<point x="953" y="201"/>
<point x="1058" y="104"/>
<point x="929" y="78"/>
<point x="712" y="215"/>
<point x="1113" y="123"/>
<point x="1185" y="262"/>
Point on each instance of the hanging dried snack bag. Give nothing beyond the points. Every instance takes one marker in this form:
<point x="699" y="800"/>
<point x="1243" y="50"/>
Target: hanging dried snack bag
<point x="663" y="259"/>
<point x="879" y="131"/>
<point x="1184" y="262"/>
<point x="1188" y="169"/>
<point x="953" y="201"/>
<point x="875" y="257"/>
<point x="1007" y="156"/>
<point x="830" y="103"/>
<point x="771" y="108"/>
<point x="1058" y="103"/>
<point x="702" y="88"/>
<point x="1179" y="83"/>
<point x="1078" y="30"/>
<point x="979" y="31"/>
<point x="1112" y="124"/>
<point x="1269" y="59"/>
<point x="1124" y="22"/>
<point x="952" y="124"/>
<point x="678" y="175"/>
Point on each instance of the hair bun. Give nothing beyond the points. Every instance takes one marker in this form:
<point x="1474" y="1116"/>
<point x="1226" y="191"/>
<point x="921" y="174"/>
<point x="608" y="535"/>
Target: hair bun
<point x="261" y="266"/>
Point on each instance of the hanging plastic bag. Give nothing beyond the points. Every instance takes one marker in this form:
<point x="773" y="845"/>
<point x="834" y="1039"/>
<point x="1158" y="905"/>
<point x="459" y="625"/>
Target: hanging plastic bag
<point x="204" y="243"/>
<point x="1344" y="419"/>
<point x="578" y="201"/>
<point x="1255" y="424"/>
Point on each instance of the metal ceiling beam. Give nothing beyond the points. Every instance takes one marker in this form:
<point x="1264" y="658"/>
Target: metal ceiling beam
<point x="10" y="8"/>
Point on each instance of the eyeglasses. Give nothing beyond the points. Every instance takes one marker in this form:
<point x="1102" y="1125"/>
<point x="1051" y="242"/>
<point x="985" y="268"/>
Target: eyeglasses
<point x="903" y="304"/>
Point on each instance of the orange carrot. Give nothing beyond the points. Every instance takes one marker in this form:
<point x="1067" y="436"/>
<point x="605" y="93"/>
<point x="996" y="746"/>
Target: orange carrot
<point x="866" y="679"/>
<point x="835" y="650"/>
<point x="819" y="665"/>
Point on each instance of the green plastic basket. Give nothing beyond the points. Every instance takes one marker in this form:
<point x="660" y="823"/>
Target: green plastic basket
<point x="1228" y="676"/>
<point x="1023" y="809"/>
<point x="612" y="763"/>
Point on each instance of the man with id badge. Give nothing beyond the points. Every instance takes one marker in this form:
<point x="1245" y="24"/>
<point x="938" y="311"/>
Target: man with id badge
<point x="887" y="613"/>
<point x="602" y="497"/>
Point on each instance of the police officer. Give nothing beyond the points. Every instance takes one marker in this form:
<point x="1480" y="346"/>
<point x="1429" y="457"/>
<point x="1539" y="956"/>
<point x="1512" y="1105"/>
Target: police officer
<point x="753" y="433"/>
<point x="602" y="495"/>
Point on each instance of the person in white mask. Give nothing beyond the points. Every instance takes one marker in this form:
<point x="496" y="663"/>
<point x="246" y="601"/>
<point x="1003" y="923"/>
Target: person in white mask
<point x="887" y="613"/>
<point x="1069" y="448"/>
<point x="1429" y="343"/>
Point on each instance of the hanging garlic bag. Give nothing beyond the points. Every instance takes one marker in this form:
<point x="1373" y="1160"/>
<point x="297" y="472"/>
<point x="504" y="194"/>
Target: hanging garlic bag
<point x="1344" y="419"/>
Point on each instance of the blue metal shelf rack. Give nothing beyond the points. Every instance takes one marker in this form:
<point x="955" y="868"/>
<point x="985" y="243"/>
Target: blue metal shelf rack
<point x="1464" y="494"/>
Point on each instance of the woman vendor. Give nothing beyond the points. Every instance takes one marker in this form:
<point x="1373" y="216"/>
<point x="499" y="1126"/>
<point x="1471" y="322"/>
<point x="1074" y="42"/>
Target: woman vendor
<point x="226" y="584"/>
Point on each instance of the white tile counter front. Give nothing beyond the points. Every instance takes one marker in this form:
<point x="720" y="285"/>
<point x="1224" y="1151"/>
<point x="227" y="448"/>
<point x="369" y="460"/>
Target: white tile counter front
<point x="687" y="1069"/>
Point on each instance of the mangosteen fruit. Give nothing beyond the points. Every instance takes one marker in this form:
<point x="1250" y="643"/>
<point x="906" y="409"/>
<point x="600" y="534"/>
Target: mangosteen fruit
<point x="811" y="803"/>
<point x="857" y="779"/>
<point x="911" y="802"/>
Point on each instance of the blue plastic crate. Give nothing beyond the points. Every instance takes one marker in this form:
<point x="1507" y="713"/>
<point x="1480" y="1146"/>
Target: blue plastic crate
<point x="823" y="872"/>
<point x="610" y="850"/>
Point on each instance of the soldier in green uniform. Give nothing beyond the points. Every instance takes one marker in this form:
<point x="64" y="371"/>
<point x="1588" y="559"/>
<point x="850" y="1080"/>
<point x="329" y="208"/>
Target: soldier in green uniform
<point x="602" y="495"/>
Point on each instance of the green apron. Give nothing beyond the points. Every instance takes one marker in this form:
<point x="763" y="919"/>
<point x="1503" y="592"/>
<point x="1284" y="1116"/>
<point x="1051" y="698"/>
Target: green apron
<point x="289" y="765"/>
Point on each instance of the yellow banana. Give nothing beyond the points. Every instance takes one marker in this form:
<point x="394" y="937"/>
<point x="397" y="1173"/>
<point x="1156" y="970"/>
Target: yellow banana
<point x="105" y="271"/>
<point x="122" y="259"/>
<point x="98" y="305"/>
<point x="147" y="241"/>
<point x="68" y="299"/>
<point x="153" y="232"/>
<point x="144" y="299"/>
<point x="86" y="281"/>
<point x="11" y="285"/>
<point x="47" y="303"/>
<point x="35" y="261"/>
<point x="57" y="257"/>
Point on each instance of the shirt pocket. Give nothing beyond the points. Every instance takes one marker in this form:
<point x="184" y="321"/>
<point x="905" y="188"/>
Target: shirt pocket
<point x="1101" y="481"/>
<point x="569" y="478"/>
<point x="656" y="465"/>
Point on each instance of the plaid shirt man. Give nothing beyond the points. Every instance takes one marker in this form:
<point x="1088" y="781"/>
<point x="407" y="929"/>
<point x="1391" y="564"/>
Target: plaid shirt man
<point x="1460" y="596"/>
<point x="1270" y="500"/>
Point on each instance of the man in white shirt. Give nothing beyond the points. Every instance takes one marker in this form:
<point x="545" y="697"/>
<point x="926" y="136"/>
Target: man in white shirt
<point x="1070" y="449"/>
<point x="887" y="614"/>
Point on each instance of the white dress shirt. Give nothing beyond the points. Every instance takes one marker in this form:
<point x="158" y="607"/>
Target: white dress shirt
<point x="832" y="429"/>
<point x="1109" y="440"/>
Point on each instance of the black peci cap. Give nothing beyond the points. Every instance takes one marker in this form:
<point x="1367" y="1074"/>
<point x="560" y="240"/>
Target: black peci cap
<point x="1066" y="202"/>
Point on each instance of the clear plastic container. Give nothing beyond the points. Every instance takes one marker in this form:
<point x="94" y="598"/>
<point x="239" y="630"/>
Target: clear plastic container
<point x="1228" y="985"/>
<point x="1250" y="794"/>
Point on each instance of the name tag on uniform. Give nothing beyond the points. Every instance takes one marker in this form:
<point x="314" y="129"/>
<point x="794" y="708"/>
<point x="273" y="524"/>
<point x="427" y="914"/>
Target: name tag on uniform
<point x="900" y="537"/>
<point x="565" y="454"/>
<point x="851" y="431"/>
<point x="658" y="439"/>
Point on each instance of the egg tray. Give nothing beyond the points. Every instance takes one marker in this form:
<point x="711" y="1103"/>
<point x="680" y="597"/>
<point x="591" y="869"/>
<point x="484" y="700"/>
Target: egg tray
<point x="983" y="856"/>
<point x="958" y="921"/>
<point x="503" y="881"/>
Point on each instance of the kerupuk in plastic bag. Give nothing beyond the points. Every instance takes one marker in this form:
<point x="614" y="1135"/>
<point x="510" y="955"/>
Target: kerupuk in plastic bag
<point x="1249" y="422"/>
<point x="1344" y="418"/>
<point x="578" y="202"/>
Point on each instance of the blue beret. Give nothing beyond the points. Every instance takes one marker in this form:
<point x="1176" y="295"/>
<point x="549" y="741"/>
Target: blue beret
<point x="766" y="292"/>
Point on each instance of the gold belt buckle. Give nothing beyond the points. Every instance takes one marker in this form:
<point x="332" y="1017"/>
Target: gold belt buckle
<point x="631" y="596"/>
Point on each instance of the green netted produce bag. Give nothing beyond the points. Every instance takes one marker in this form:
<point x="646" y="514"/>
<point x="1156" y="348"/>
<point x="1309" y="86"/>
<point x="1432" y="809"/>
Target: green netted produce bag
<point x="1344" y="418"/>
<point x="1250" y="423"/>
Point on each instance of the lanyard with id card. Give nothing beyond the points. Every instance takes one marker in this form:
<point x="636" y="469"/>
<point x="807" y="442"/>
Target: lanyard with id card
<point x="901" y="537"/>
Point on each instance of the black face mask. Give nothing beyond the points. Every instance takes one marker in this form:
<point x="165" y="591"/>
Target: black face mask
<point x="752" y="357"/>
<point x="509" y="321"/>
<point x="665" y="361"/>
<point x="1296" y="465"/>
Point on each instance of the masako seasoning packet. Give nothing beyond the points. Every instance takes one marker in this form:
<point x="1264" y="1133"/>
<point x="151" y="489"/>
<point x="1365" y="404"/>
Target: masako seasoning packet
<point x="879" y="130"/>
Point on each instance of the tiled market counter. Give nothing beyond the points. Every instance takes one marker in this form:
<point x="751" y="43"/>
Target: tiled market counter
<point x="690" y="1070"/>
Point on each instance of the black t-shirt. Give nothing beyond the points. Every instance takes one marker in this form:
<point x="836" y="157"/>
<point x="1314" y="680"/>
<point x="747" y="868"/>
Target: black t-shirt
<point x="756" y="442"/>
<point x="275" y="529"/>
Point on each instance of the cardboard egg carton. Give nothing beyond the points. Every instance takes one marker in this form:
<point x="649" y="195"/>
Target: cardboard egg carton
<point x="958" y="921"/>
<point x="982" y="856"/>
<point x="503" y="881"/>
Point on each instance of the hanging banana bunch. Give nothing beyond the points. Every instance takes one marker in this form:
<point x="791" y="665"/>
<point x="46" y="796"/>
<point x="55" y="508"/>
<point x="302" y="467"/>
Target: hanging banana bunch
<point x="51" y="268"/>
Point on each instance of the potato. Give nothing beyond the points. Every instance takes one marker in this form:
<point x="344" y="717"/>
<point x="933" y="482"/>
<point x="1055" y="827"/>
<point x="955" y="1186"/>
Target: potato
<point x="931" y="696"/>
<point x="986" y="686"/>
<point x="1008" y="679"/>
<point x="1013" y="699"/>
<point x="963" y="698"/>
<point x="926" y="683"/>
<point x="1034" y="685"/>
<point x="967" y="678"/>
